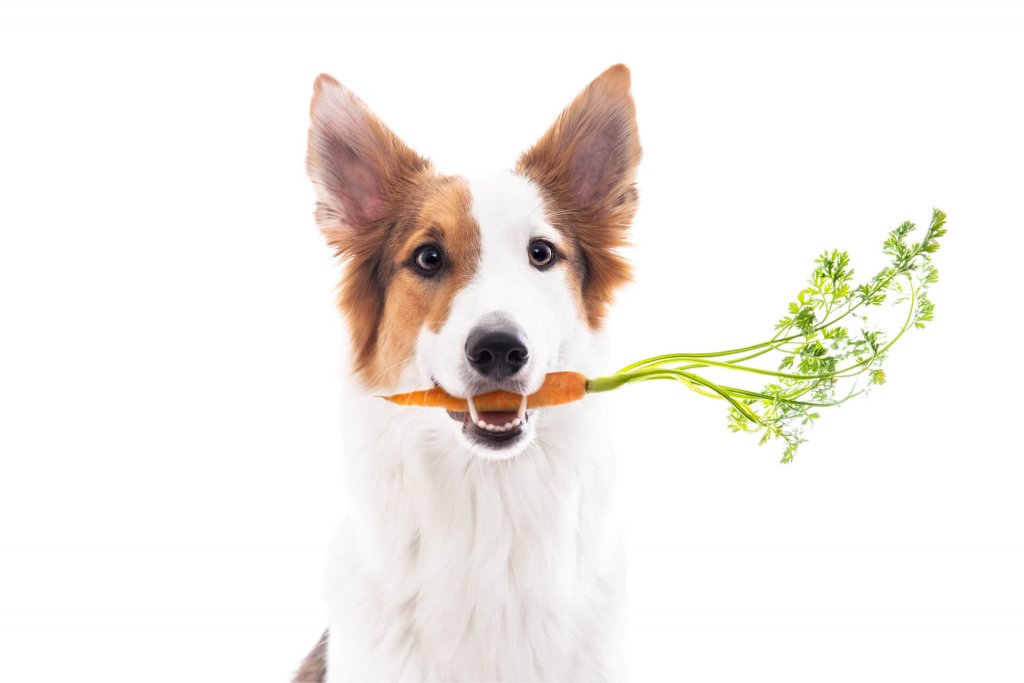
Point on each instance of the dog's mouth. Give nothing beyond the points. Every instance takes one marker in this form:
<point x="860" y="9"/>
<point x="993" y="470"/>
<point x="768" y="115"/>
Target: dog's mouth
<point x="494" y="429"/>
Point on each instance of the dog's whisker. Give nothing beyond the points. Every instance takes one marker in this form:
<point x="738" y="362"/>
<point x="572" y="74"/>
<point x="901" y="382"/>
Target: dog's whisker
<point x="386" y="370"/>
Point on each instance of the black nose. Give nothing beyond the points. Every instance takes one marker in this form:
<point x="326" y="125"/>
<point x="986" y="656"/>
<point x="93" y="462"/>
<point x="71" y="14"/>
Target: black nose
<point x="497" y="352"/>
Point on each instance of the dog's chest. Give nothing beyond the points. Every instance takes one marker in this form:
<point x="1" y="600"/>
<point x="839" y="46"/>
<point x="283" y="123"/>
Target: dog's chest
<point x="470" y="571"/>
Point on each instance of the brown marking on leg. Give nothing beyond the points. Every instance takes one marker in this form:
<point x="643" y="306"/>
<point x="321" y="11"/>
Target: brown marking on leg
<point x="314" y="667"/>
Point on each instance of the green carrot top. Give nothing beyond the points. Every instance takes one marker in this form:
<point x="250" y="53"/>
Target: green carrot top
<point x="822" y="349"/>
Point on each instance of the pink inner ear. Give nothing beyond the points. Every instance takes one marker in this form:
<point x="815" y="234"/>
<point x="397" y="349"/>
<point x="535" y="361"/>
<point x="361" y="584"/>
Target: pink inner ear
<point x="356" y="182"/>
<point x="594" y="169"/>
<point x="366" y="193"/>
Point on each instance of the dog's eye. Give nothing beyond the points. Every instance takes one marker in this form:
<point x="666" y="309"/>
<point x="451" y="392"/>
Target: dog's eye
<point x="428" y="259"/>
<point x="542" y="254"/>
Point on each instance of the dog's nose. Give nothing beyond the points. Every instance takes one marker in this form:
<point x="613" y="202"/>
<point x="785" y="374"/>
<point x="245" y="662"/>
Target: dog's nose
<point x="497" y="352"/>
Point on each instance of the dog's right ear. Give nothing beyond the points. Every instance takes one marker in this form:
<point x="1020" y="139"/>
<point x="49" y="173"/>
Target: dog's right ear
<point x="358" y="166"/>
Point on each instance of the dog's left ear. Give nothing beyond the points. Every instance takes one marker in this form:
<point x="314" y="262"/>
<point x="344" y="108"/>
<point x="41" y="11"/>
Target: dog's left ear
<point x="586" y="166"/>
<point x="588" y="158"/>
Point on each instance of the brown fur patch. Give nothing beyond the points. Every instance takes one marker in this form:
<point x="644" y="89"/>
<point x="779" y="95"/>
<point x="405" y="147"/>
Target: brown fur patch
<point x="377" y="202"/>
<point x="440" y="216"/>
<point x="314" y="667"/>
<point x="585" y="167"/>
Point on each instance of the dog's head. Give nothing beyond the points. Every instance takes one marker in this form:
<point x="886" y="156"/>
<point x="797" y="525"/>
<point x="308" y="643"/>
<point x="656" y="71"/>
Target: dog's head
<point x="479" y="284"/>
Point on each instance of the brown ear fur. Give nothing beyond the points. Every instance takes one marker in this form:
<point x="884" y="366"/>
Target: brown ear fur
<point x="359" y="167"/>
<point x="586" y="166"/>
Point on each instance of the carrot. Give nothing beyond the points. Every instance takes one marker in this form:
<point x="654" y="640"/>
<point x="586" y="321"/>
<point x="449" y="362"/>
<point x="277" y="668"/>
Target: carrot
<point x="558" y="388"/>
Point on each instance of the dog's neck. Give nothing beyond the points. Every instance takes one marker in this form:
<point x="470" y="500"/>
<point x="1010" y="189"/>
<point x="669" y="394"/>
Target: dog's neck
<point x="464" y="555"/>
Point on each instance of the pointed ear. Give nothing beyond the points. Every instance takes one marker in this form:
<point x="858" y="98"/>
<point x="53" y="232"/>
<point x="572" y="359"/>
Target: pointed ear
<point x="588" y="158"/>
<point x="585" y="165"/>
<point x="358" y="166"/>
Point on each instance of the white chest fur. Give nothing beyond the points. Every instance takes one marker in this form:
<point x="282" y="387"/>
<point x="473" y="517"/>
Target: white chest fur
<point x="450" y="567"/>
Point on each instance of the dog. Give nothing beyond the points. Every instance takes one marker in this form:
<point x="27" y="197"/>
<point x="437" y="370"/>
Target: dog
<point x="476" y="546"/>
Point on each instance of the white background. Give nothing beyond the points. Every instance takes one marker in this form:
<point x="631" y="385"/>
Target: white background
<point x="169" y="353"/>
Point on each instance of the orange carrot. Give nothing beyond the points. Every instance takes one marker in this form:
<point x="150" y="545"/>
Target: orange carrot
<point x="558" y="388"/>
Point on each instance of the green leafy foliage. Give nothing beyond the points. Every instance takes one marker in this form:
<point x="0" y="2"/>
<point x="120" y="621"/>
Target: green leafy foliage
<point x="827" y="344"/>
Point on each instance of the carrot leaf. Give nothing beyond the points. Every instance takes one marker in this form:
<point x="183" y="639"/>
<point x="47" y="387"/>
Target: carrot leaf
<point x="817" y="361"/>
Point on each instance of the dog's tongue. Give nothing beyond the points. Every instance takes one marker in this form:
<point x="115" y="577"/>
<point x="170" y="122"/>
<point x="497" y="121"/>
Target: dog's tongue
<point x="498" y="418"/>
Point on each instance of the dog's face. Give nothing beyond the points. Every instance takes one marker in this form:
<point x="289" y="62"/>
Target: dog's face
<point x="476" y="284"/>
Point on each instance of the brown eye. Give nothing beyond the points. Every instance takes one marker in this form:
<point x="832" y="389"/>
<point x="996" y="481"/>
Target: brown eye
<point x="542" y="253"/>
<point x="428" y="259"/>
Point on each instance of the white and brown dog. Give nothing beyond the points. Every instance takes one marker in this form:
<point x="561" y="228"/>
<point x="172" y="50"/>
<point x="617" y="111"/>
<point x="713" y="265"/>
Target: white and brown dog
<point x="474" y="549"/>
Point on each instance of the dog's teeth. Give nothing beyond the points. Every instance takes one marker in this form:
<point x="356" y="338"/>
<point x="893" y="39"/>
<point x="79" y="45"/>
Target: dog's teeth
<point x="522" y="408"/>
<point x="487" y="426"/>
<point x="473" y="415"/>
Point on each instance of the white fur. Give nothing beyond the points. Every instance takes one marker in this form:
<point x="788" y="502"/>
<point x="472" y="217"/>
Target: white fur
<point x="457" y="565"/>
